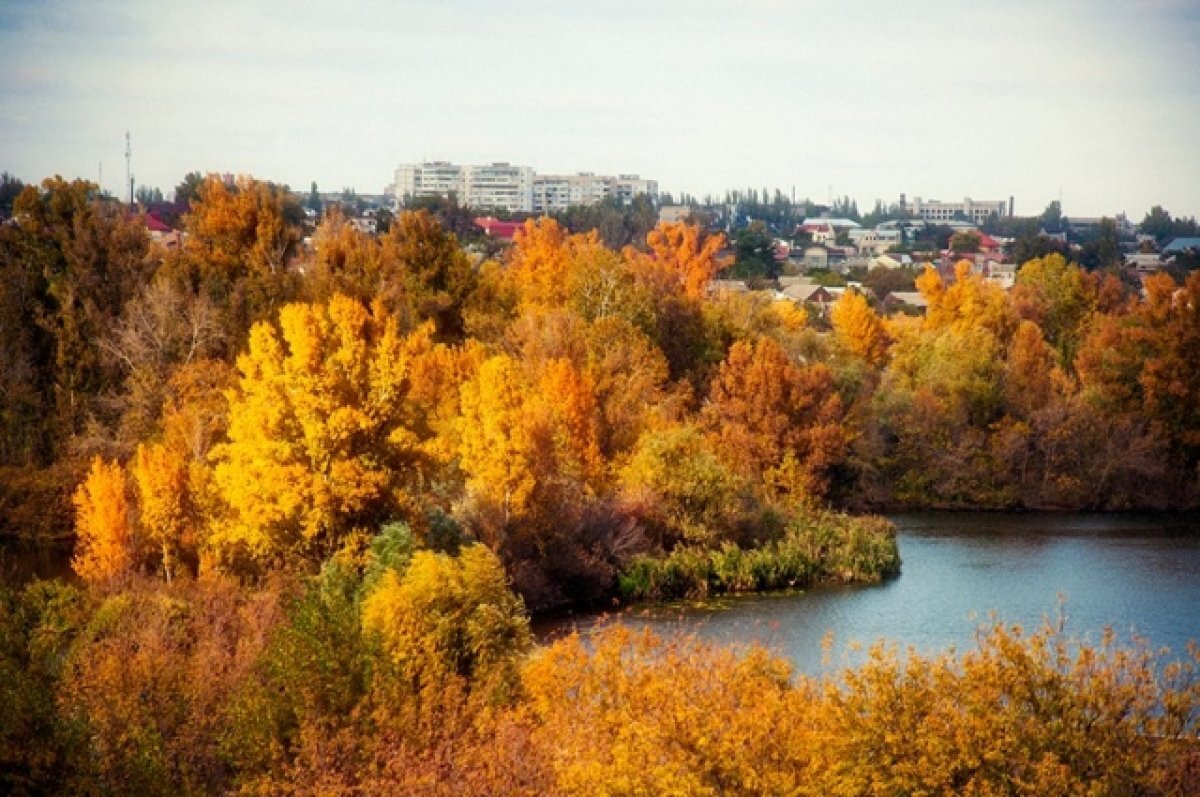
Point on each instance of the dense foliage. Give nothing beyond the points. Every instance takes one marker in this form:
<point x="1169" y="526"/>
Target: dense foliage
<point x="411" y="672"/>
<point x="314" y="487"/>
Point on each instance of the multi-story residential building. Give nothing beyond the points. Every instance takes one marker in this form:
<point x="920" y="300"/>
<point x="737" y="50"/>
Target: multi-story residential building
<point x="626" y="186"/>
<point x="499" y="185"/>
<point x="435" y="178"/>
<point x="556" y="192"/>
<point x="515" y="188"/>
<point x="976" y="211"/>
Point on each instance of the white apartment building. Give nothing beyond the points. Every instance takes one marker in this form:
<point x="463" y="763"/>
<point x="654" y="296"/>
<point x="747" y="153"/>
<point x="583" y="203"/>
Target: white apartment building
<point x="499" y="185"/>
<point x="975" y="211"/>
<point x="435" y="178"/>
<point x="553" y="193"/>
<point x="626" y="186"/>
<point x="515" y="188"/>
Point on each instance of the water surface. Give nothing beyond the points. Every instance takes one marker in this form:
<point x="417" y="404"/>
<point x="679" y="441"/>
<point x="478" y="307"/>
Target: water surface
<point x="1138" y="574"/>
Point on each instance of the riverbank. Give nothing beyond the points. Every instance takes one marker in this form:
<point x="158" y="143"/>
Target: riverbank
<point x="817" y="547"/>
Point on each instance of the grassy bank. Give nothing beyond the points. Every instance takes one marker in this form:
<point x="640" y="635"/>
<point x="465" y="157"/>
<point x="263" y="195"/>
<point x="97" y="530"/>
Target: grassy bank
<point x="820" y="547"/>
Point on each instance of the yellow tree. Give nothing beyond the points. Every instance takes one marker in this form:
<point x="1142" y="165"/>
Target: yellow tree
<point x="858" y="327"/>
<point x="495" y="444"/>
<point x="104" y="548"/>
<point x="164" y="502"/>
<point x="971" y="302"/>
<point x="320" y="435"/>
<point x="540" y="263"/>
<point x="447" y="618"/>
<point x="1060" y="298"/>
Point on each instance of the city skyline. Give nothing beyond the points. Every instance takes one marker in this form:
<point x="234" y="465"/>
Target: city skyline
<point x="1093" y="103"/>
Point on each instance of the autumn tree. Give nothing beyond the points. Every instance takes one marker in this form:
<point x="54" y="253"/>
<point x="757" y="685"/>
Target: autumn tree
<point x="165" y="506"/>
<point x="765" y="412"/>
<point x="348" y="261"/>
<point x="320" y="434"/>
<point x="434" y="272"/>
<point x="105" y="549"/>
<point x="446" y="618"/>
<point x="1060" y="298"/>
<point x="858" y="327"/>
<point x="240" y="238"/>
<point x="539" y="264"/>
<point x="685" y="252"/>
<point x="681" y="489"/>
<point x="67" y="267"/>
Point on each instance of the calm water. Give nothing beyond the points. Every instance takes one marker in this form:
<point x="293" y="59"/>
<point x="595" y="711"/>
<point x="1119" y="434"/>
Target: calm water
<point x="1138" y="574"/>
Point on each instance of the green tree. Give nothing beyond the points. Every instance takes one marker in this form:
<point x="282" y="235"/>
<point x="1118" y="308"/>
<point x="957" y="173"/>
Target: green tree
<point x="188" y="189"/>
<point x="755" y="253"/>
<point x="1052" y="218"/>
<point x="314" y="199"/>
<point x="10" y="189"/>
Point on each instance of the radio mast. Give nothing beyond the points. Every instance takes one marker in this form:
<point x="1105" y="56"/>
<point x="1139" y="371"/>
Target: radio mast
<point x="128" y="165"/>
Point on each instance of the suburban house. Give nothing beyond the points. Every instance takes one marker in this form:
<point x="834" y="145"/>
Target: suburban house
<point x="716" y="287"/>
<point x="1002" y="274"/>
<point x="905" y="300"/>
<point x="504" y="230"/>
<point x="1181" y="245"/>
<point x="1144" y="262"/>
<point x="875" y="241"/>
<point x="807" y="293"/>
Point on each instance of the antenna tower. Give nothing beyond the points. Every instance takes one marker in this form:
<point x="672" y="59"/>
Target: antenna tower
<point x="129" y="165"/>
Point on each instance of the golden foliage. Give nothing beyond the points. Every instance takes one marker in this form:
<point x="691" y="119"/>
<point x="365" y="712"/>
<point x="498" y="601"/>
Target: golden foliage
<point x="495" y="443"/>
<point x="105" y="549"/>
<point x="320" y="434"/>
<point x="164" y="502"/>
<point x="447" y="618"/>
<point x="858" y="327"/>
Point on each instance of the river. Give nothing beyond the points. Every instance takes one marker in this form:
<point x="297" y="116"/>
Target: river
<point x="1139" y="574"/>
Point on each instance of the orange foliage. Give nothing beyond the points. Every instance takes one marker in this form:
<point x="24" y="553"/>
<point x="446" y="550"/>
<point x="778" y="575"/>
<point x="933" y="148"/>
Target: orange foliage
<point x="540" y="262"/>
<point x="681" y="250"/>
<point x="104" y="548"/>
<point x="763" y="408"/>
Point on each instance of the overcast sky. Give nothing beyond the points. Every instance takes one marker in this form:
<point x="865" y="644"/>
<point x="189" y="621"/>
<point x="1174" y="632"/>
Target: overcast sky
<point x="1095" y="99"/>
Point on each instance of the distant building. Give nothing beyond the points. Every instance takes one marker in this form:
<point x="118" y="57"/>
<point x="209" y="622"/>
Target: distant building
<point x="499" y="185"/>
<point x="975" y="211"/>
<point x="503" y="230"/>
<point x="1145" y="262"/>
<point x="899" y="300"/>
<point x="1125" y="228"/>
<point x="515" y="189"/>
<point x="875" y="241"/>
<point x="1180" y="245"/>
<point x="671" y="214"/>
<point x="554" y="193"/>
<point x="435" y="178"/>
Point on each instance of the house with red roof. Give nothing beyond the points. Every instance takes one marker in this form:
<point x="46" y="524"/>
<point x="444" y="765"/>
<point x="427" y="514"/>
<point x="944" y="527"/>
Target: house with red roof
<point x="504" y="230"/>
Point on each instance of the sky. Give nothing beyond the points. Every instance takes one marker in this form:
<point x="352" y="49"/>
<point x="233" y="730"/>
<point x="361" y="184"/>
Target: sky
<point x="1092" y="101"/>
